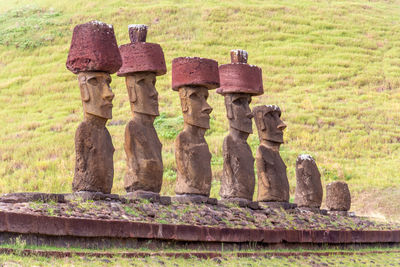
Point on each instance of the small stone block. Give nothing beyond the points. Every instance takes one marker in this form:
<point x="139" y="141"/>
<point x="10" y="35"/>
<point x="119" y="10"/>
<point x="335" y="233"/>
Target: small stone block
<point x="241" y="202"/>
<point x="153" y="197"/>
<point x="165" y="200"/>
<point x="212" y="201"/>
<point x="187" y="199"/>
<point x="278" y="205"/>
<point x="338" y="212"/>
<point x="313" y="210"/>
<point x="254" y="205"/>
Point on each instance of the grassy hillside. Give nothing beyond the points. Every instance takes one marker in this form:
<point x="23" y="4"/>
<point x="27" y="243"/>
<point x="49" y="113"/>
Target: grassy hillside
<point x="332" y="66"/>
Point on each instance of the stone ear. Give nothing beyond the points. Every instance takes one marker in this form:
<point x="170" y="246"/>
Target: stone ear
<point x="260" y="119"/>
<point x="183" y="96"/>
<point x="132" y="93"/>
<point x="84" y="88"/>
<point x="228" y="105"/>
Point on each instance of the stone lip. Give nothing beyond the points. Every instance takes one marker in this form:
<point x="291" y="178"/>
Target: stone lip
<point x="73" y="227"/>
<point x="140" y="57"/>
<point x="194" y="71"/>
<point x="240" y="78"/>
<point x="94" y="48"/>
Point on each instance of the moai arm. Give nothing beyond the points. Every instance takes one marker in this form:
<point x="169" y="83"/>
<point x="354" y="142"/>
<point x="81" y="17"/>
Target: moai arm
<point x="182" y="159"/>
<point x="80" y="148"/>
<point x="130" y="149"/>
<point x="262" y="168"/>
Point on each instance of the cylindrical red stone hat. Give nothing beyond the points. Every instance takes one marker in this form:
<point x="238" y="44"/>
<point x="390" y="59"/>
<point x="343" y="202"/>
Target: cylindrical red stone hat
<point x="240" y="77"/>
<point x="141" y="56"/>
<point x="194" y="71"/>
<point x="94" y="48"/>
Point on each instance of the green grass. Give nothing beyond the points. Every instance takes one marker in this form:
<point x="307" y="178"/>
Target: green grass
<point x="332" y="66"/>
<point x="226" y="259"/>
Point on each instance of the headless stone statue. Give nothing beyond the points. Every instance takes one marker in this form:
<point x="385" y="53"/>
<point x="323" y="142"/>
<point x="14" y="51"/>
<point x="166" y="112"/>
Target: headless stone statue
<point x="142" y="62"/>
<point x="239" y="81"/>
<point x="273" y="185"/>
<point x="94" y="55"/>
<point x="308" y="185"/>
<point x="193" y="77"/>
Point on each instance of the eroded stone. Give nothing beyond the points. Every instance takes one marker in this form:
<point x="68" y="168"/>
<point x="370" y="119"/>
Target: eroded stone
<point x="193" y="157"/>
<point x="273" y="184"/>
<point x="338" y="196"/>
<point x="308" y="188"/>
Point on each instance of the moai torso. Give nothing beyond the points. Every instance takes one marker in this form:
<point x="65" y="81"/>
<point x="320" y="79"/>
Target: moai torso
<point x="193" y="160"/>
<point x="94" y="168"/>
<point x="273" y="183"/>
<point x="143" y="151"/>
<point x="238" y="172"/>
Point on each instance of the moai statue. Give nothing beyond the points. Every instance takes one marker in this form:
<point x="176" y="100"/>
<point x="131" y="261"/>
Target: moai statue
<point x="273" y="184"/>
<point x="93" y="56"/>
<point x="192" y="77"/>
<point x="141" y="63"/>
<point x="239" y="82"/>
<point x="309" y="187"/>
<point x="338" y="196"/>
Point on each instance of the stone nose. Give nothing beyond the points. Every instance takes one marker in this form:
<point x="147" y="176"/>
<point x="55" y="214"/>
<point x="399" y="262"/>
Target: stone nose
<point x="281" y="126"/>
<point x="107" y="93"/>
<point x="207" y="108"/>
<point x="250" y="115"/>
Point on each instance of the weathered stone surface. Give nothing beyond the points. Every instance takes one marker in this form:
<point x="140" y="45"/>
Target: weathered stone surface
<point x="31" y="196"/>
<point x="194" y="71"/>
<point x="94" y="55"/>
<point x="89" y="195"/>
<point x="94" y="167"/>
<point x="142" y="62"/>
<point x="193" y="157"/>
<point x="154" y="197"/>
<point x="338" y="196"/>
<point x="94" y="48"/>
<point x="189" y="198"/>
<point x="277" y="205"/>
<point x="238" y="179"/>
<point x="143" y="151"/>
<point x="165" y="200"/>
<point x="273" y="184"/>
<point x="309" y="188"/>
<point x="239" y="77"/>
<point x="140" y="56"/>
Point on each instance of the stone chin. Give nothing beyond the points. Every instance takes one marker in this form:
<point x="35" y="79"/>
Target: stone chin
<point x="104" y="112"/>
<point x="240" y="126"/>
<point x="203" y="123"/>
<point x="153" y="111"/>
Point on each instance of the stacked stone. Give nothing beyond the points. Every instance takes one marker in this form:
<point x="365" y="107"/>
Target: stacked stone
<point x="193" y="77"/>
<point x="338" y="196"/>
<point x="239" y="82"/>
<point x="94" y="55"/>
<point x="142" y="62"/>
<point x="309" y="188"/>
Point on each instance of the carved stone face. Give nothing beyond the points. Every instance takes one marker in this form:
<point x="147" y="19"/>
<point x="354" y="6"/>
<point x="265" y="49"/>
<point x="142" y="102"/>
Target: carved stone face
<point x="238" y="111"/>
<point x="142" y="92"/>
<point x="196" y="110"/>
<point x="270" y="126"/>
<point x="96" y="93"/>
